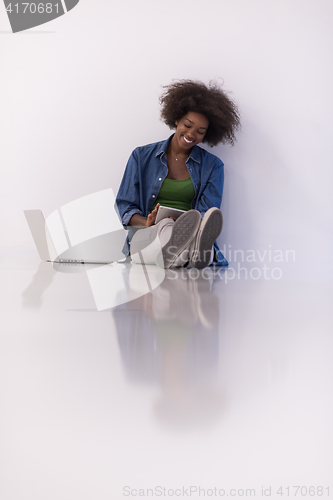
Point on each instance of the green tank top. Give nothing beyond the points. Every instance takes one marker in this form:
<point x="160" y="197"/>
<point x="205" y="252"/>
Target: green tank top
<point x="176" y="194"/>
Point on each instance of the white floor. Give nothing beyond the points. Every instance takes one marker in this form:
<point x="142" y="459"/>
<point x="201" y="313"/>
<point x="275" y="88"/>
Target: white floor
<point x="120" y="381"/>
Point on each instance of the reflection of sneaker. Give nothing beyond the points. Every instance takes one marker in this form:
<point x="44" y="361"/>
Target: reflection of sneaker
<point x="210" y="228"/>
<point x="183" y="233"/>
<point x="206" y="302"/>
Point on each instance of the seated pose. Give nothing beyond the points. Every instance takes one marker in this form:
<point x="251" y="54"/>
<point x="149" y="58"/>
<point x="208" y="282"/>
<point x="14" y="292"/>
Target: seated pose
<point x="178" y="173"/>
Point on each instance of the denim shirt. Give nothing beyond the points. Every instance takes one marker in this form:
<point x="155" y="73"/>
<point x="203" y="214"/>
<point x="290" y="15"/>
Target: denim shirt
<point x="145" y="172"/>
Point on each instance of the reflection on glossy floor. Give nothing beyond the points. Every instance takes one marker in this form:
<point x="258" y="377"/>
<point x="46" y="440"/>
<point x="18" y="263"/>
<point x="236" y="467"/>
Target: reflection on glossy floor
<point x="119" y="380"/>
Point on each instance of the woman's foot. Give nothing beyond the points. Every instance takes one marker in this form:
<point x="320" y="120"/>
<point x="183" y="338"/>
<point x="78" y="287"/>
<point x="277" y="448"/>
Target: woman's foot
<point x="210" y="229"/>
<point x="183" y="232"/>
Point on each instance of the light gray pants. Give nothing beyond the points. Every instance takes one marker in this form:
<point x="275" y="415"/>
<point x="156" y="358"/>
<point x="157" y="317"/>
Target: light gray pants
<point x="147" y="244"/>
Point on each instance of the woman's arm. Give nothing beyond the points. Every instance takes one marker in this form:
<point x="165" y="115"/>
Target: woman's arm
<point x="138" y="221"/>
<point x="128" y="201"/>
<point x="210" y="194"/>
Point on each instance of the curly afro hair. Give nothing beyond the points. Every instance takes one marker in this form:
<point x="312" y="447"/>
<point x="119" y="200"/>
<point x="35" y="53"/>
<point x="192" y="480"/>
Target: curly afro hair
<point x="211" y="101"/>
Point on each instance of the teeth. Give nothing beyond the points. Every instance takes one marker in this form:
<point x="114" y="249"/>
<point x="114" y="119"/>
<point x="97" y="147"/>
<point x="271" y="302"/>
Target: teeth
<point x="186" y="140"/>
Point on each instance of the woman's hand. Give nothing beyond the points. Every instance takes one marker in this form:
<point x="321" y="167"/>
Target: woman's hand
<point x="152" y="216"/>
<point x="138" y="221"/>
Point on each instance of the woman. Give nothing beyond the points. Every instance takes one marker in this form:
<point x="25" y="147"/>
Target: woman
<point x="178" y="173"/>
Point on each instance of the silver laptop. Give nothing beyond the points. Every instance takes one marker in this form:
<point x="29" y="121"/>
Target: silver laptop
<point x="55" y="244"/>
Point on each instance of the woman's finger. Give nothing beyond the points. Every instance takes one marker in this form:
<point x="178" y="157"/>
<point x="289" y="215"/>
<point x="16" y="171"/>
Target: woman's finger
<point x="150" y="220"/>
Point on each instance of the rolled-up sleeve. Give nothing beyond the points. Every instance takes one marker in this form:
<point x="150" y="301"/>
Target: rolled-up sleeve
<point x="128" y="197"/>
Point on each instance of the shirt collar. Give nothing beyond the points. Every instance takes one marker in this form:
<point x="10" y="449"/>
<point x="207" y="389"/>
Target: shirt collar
<point x="164" y="146"/>
<point x="195" y="153"/>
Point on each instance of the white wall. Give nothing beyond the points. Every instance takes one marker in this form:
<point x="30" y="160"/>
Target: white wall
<point x="79" y="93"/>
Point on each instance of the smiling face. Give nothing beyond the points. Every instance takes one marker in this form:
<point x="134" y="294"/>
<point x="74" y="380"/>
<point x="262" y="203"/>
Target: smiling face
<point x="191" y="130"/>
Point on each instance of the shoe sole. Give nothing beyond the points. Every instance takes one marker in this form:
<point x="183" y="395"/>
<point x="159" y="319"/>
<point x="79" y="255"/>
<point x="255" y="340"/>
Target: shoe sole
<point x="183" y="233"/>
<point x="210" y="230"/>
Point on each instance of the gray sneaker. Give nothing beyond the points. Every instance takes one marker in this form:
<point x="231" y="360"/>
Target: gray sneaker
<point x="210" y="229"/>
<point x="183" y="233"/>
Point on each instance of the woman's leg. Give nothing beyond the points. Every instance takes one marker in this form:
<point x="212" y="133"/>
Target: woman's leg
<point x="166" y="243"/>
<point x="201" y="254"/>
<point x="147" y="242"/>
<point x="148" y="245"/>
<point x="183" y="233"/>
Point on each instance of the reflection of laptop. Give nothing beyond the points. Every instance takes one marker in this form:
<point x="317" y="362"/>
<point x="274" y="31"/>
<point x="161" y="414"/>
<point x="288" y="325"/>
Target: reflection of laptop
<point x="102" y="249"/>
